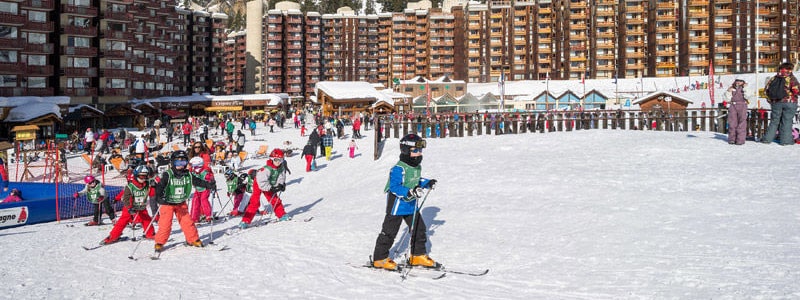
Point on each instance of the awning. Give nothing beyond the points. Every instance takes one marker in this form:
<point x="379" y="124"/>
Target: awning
<point x="173" y="113"/>
<point x="255" y="112"/>
<point x="224" y="108"/>
<point x="24" y="128"/>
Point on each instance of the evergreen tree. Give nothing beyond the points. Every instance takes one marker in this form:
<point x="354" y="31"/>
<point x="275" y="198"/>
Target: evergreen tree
<point x="369" y="8"/>
<point x="393" y="5"/>
<point x="308" y="6"/>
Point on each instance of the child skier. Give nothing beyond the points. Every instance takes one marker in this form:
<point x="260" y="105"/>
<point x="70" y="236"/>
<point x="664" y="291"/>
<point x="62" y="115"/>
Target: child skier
<point x="96" y="194"/>
<point x="309" y="154"/>
<point x="134" y="196"/>
<point x="403" y="189"/>
<point x="270" y="180"/>
<point x="352" y="148"/>
<point x="172" y="191"/>
<point x="235" y="190"/>
<point x="201" y="208"/>
<point x="303" y="130"/>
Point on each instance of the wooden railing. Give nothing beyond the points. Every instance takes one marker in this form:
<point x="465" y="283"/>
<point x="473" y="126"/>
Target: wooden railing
<point x="477" y="124"/>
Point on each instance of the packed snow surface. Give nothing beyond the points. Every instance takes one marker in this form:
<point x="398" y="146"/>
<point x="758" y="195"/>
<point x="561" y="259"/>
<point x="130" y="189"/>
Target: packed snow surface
<point x="597" y="214"/>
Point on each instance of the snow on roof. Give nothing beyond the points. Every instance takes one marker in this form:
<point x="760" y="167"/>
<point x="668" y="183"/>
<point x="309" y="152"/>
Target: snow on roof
<point x="274" y="99"/>
<point x="351" y="90"/>
<point x="32" y="110"/>
<point x="81" y="106"/>
<point x="16" y="101"/>
<point x="218" y="15"/>
<point x="625" y="88"/>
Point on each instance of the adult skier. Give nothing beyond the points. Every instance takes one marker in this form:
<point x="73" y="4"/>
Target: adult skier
<point x="404" y="188"/>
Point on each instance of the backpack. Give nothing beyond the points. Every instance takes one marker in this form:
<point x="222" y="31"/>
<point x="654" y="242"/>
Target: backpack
<point x="776" y="90"/>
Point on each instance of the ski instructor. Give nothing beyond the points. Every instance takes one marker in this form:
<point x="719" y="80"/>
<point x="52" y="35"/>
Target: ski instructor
<point x="404" y="188"/>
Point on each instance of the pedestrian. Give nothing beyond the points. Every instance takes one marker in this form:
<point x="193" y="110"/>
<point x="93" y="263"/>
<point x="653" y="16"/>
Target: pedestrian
<point x="96" y="194"/>
<point x="170" y="131"/>
<point x="134" y="198"/>
<point x="352" y="148"/>
<point x="272" y="124"/>
<point x="738" y="98"/>
<point x="327" y="142"/>
<point x="309" y="154"/>
<point x="269" y="181"/>
<point x="201" y="208"/>
<point x="229" y="127"/>
<point x="783" y="103"/>
<point x="4" y="174"/>
<point x="240" y="140"/>
<point x="200" y="150"/>
<point x="303" y="130"/>
<point x="14" y="195"/>
<point x="139" y="147"/>
<point x="187" y="132"/>
<point x="172" y="192"/>
<point x="403" y="190"/>
<point x="357" y="128"/>
<point x="253" y="128"/>
<point x="88" y="140"/>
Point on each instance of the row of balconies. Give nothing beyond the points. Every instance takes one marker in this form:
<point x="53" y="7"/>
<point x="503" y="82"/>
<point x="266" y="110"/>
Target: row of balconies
<point x="38" y="4"/>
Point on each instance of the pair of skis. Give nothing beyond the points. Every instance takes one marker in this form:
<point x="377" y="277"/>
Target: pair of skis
<point x="439" y="272"/>
<point x="211" y="247"/>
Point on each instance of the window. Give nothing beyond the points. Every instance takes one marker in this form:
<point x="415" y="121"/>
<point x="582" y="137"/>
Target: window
<point x="37" y="16"/>
<point x="118" y="83"/>
<point x="116" y="45"/>
<point x="8" y="80"/>
<point x="8" y="7"/>
<point x="37" y="60"/>
<point x="138" y="85"/>
<point x="8" y="56"/>
<point x="37" y="38"/>
<point x="36" y="82"/>
<point x="78" y="82"/>
<point x="78" y="62"/>
<point x="80" y="42"/>
<point x="138" y="69"/>
<point x="116" y="64"/>
<point x="8" y="32"/>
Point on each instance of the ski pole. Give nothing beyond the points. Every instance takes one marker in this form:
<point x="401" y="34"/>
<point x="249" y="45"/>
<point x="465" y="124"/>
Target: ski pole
<point x="403" y="237"/>
<point x="223" y="206"/>
<point x="212" y="218"/>
<point x="148" y="228"/>
<point x="269" y="203"/>
<point x="133" y="227"/>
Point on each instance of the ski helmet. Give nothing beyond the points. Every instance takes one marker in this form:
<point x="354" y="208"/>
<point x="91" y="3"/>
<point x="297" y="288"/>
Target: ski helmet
<point x="411" y="141"/>
<point x="196" y="162"/>
<point x="141" y="170"/>
<point x="229" y="174"/>
<point x="179" y="158"/>
<point x="88" y="179"/>
<point x="276" y="153"/>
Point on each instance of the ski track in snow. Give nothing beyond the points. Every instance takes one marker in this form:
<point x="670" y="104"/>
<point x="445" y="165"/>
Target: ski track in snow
<point x="598" y="214"/>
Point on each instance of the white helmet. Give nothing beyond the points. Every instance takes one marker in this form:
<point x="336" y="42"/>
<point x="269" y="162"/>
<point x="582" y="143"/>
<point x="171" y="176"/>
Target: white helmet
<point x="196" y="162"/>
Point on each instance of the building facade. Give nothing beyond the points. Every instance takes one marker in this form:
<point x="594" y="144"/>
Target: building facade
<point x="107" y="51"/>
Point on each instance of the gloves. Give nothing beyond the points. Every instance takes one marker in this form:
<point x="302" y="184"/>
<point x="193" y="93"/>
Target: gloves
<point x="75" y="195"/>
<point x="430" y="184"/>
<point x="132" y="211"/>
<point x="277" y="188"/>
<point x="414" y="193"/>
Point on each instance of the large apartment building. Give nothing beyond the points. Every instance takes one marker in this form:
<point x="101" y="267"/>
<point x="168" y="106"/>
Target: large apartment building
<point x="108" y="51"/>
<point x="530" y="40"/>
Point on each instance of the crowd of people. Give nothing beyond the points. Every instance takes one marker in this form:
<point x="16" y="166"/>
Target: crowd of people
<point x="166" y="178"/>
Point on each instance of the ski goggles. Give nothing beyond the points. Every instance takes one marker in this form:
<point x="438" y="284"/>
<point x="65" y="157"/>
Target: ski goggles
<point x="416" y="144"/>
<point x="180" y="163"/>
<point x="277" y="160"/>
<point x="416" y="150"/>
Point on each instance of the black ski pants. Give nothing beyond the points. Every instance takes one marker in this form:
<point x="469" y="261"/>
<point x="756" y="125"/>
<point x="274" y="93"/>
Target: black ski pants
<point x="391" y="224"/>
<point x="100" y="207"/>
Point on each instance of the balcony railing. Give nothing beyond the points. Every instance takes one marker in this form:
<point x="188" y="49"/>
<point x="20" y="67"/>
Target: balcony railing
<point x="39" y="70"/>
<point x="39" y="4"/>
<point x="116" y="73"/>
<point x="80" y="51"/>
<point x="39" y="48"/>
<point x="116" y="92"/>
<point x="81" y="31"/>
<point x="38" y="26"/>
<point x="79" y="10"/>
<point x="12" y="19"/>
<point x="80" y="92"/>
<point x="80" y="72"/>
<point x="119" y="16"/>
<point x="12" y="68"/>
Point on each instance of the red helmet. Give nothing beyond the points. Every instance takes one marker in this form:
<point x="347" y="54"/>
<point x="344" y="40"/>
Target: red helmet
<point x="276" y="153"/>
<point x="88" y="179"/>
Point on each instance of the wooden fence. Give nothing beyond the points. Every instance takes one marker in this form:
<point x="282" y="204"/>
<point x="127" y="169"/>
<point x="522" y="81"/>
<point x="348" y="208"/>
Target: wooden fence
<point x="520" y="123"/>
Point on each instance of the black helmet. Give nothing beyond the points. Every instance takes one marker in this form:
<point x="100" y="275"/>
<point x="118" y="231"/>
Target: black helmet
<point x="179" y="155"/>
<point x="229" y="174"/>
<point x="141" y="170"/>
<point x="411" y="141"/>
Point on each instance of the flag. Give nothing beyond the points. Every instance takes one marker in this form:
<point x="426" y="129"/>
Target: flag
<point x="428" y="100"/>
<point x="711" y="81"/>
<point x="501" y="84"/>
